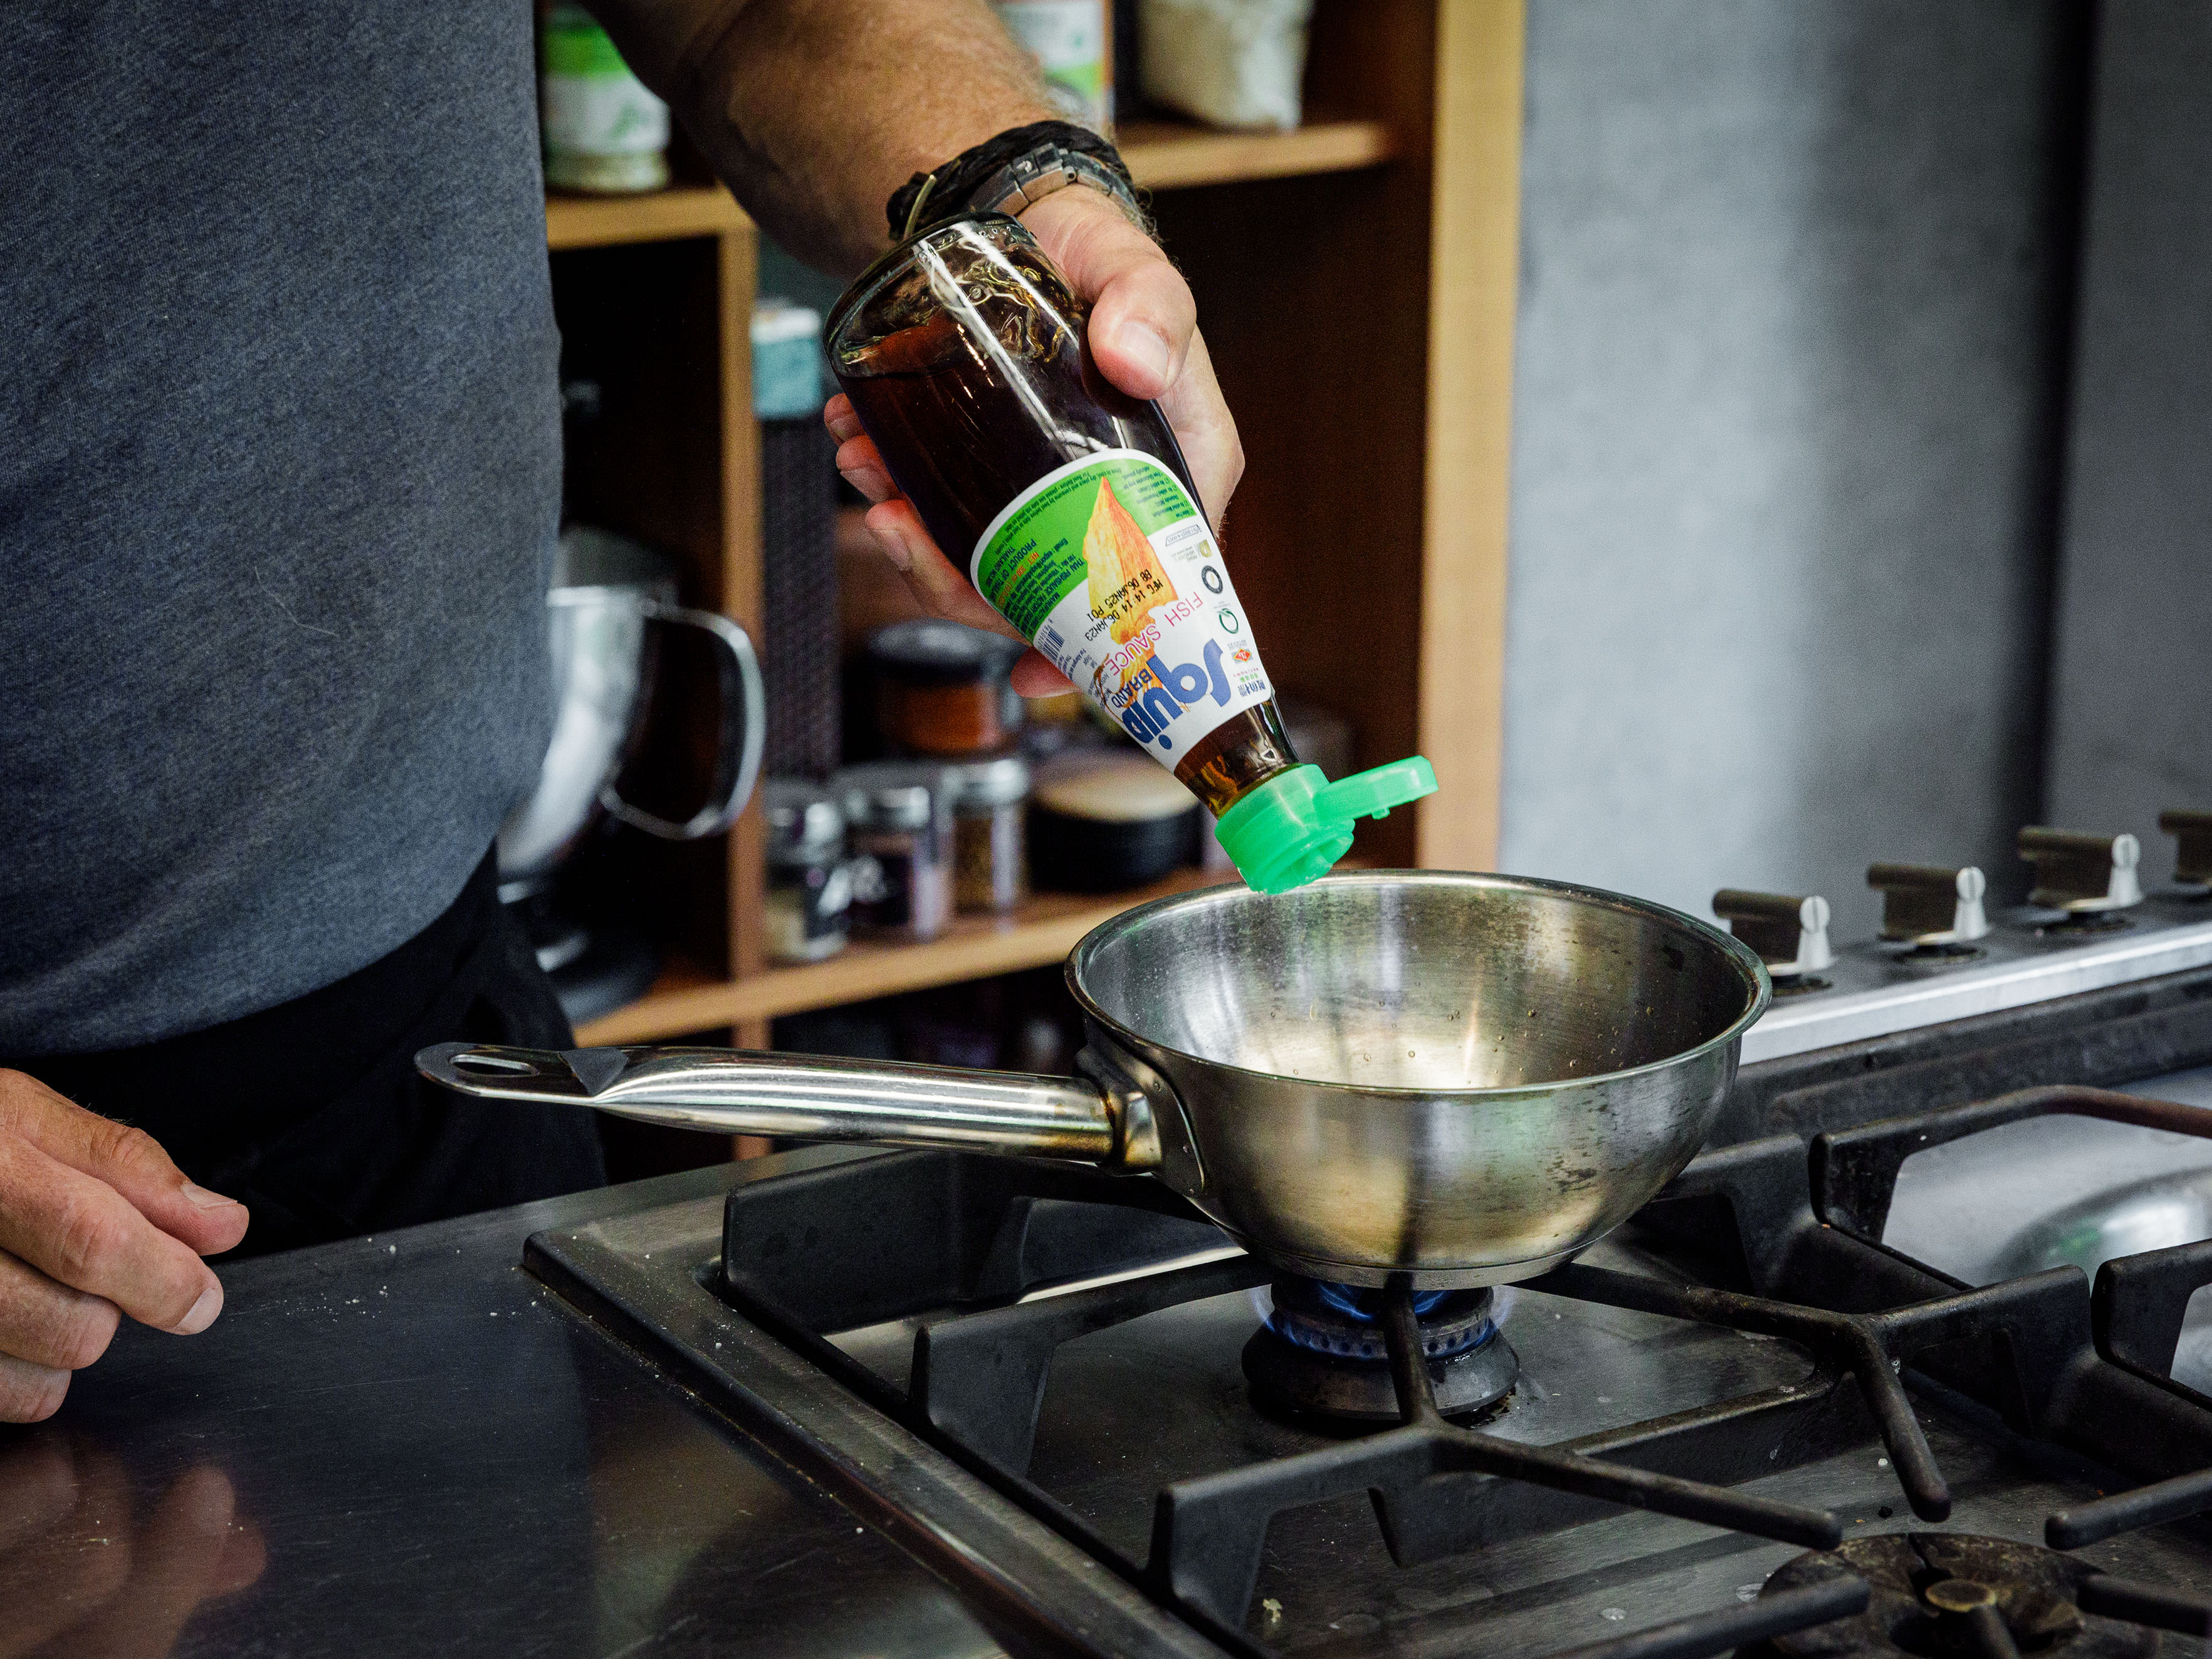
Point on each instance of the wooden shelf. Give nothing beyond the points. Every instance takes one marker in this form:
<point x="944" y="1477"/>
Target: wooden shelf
<point x="1163" y="154"/>
<point x="1170" y="155"/>
<point x="663" y="215"/>
<point x="1043" y="932"/>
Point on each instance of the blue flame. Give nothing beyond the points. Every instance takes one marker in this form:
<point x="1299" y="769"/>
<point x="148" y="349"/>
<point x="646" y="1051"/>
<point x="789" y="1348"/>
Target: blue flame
<point x="1345" y="1299"/>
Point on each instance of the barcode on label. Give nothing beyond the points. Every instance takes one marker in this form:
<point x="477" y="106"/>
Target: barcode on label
<point x="1049" y="640"/>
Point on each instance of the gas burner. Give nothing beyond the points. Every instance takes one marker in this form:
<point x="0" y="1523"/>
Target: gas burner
<point x="1323" y="1350"/>
<point x="1928" y="1587"/>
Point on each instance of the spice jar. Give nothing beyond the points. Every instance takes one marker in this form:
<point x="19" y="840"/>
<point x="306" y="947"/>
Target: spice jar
<point x="1070" y="508"/>
<point x="990" y="850"/>
<point x="899" y="836"/>
<point x="810" y="890"/>
<point x="943" y="688"/>
<point x="1102" y="822"/>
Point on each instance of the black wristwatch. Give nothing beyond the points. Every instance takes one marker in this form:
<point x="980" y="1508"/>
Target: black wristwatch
<point x="1012" y="171"/>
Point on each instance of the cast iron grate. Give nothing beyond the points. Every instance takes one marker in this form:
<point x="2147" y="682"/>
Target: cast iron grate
<point x="2058" y="1362"/>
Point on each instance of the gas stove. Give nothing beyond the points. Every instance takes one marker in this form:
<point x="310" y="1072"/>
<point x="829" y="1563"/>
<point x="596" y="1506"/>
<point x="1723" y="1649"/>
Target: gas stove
<point x="1906" y="1361"/>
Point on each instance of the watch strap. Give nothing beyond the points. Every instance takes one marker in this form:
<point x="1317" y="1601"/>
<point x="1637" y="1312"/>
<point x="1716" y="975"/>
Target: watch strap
<point x="1008" y="172"/>
<point x="1036" y="174"/>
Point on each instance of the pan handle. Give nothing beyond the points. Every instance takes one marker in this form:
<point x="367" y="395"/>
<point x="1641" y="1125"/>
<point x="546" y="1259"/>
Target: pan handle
<point x="807" y="1097"/>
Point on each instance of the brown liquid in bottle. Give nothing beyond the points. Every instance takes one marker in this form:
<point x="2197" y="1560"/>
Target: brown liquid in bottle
<point x="968" y="411"/>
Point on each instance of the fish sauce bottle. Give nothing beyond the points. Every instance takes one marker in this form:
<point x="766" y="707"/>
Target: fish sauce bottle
<point x="963" y="352"/>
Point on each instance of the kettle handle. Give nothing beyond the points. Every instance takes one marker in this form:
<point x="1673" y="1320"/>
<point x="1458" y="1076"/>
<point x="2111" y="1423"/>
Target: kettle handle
<point x="744" y="730"/>
<point x="808" y="1097"/>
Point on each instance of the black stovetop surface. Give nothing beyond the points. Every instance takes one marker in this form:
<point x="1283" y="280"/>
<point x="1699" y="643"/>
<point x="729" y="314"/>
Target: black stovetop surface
<point x="407" y="1445"/>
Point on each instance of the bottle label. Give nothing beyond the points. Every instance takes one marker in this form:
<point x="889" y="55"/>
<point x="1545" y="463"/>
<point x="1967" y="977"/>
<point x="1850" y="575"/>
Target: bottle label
<point x="1106" y="566"/>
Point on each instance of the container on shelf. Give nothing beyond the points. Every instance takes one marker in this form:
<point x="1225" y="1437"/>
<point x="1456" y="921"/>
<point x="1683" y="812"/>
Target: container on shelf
<point x="1072" y="41"/>
<point x="809" y="888"/>
<point x="1109" y="819"/>
<point x="990" y="842"/>
<point x="787" y="342"/>
<point x="1236" y="63"/>
<point x="943" y="688"/>
<point x="605" y="134"/>
<point x="900" y="833"/>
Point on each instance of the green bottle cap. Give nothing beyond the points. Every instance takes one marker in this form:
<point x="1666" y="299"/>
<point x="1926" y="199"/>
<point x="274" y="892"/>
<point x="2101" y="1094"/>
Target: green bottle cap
<point x="1295" y="826"/>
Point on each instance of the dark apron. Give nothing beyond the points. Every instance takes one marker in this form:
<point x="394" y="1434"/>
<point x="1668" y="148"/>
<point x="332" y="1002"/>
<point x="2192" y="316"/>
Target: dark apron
<point x="311" y="1114"/>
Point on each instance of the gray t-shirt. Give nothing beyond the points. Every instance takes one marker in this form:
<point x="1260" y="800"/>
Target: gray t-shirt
<point x="279" y="477"/>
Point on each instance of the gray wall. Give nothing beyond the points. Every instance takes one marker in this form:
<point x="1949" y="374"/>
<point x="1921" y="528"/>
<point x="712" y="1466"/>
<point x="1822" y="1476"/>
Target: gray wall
<point x="1782" y="441"/>
<point x="2131" y="728"/>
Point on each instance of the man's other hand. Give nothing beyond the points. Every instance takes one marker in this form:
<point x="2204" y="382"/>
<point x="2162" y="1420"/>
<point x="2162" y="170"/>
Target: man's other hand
<point x="95" y="1222"/>
<point x="1144" y="336"/>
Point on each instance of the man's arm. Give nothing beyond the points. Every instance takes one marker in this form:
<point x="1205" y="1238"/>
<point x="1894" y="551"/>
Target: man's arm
<point x="815" y="111"/>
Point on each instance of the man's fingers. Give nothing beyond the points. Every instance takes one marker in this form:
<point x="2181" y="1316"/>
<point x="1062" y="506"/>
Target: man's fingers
<point x="1206" y="431"/>
<point x="1143" y="336"/>
<point x="1034" y="675"/>
<point x="862" y="464"/>
<point x="1144" y="331"/>
<point x="82" y="1233"/>
<point x="1142" y="315"/>
<point x="29" y="1392"/>
<point x="941" y="590"/>
<point x="50" y="1325"/>
<point x="1141" y="327"/>
<point x="129" y="1160"/>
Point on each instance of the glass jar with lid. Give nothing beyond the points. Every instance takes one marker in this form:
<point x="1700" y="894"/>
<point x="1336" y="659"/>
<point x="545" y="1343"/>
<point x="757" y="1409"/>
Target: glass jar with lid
<point x="942" y="688"/>
<point x="900" y="833"/>
<point x="809" y="889"/>
<point x="990" y="845"/>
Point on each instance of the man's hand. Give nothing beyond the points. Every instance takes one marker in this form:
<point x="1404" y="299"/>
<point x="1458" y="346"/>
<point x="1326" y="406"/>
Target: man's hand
<point x="1144" y="336"/>
<point x="95" y="1222"/>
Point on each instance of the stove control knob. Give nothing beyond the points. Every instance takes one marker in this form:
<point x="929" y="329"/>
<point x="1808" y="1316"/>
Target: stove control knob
<point x="2082" y="873"/>
<point x="1930" y="904"/>
<point x="1790" y="933"/>
<point x="2193" y="857"/>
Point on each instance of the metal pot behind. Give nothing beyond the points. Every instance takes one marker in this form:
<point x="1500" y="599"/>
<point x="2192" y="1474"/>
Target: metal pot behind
<point x="607" y="592"/>
<point x="1465" y="1077"/>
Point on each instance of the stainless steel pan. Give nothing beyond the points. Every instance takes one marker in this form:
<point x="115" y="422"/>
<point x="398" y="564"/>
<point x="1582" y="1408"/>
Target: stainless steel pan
<point x="1465" y="1077"/>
